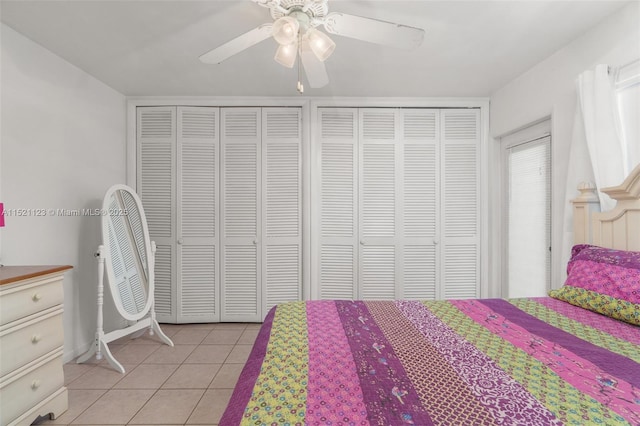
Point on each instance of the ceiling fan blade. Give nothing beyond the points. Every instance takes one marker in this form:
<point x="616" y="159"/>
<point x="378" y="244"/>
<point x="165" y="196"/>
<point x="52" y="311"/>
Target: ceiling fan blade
<point x="374" y="30"/>
<point x="237" y="45"/>
<point x="314" y="68"/>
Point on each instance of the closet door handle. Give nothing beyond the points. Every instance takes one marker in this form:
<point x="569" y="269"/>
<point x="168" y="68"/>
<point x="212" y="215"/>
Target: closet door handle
<point x="255" y="241"/>
<point x="180" y="241"/>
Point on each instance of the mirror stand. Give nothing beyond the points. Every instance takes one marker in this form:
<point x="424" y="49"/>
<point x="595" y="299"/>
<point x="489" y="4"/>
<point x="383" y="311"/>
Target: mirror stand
<point x="128" y="255"/>
<point x="100" y="346"/>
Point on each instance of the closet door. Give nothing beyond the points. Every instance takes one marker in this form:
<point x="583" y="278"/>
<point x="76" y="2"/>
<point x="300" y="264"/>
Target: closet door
<point x="380" y="204"/>
<point x="420" y="193"/>
<point x="338" y="198"/>
<point x="156" y="150"/>
<point x="460" y="203"/>
<point x="197" y="218"/>
<point x="240" y="225"/>
<point x="281" y="236"/>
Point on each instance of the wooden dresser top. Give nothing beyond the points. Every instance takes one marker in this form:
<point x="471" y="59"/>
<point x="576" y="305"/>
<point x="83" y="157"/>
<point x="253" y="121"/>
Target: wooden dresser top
<point x="12" y="274"/>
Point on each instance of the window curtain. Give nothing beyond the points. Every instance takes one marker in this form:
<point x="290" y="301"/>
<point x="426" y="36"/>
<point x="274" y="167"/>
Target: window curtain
<point x="597" y="151"/>
<point x="602" y="130"/>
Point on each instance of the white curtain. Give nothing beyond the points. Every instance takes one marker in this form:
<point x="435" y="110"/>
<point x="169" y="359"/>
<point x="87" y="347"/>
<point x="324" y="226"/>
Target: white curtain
<point x="597" y="151"/>
<point x="602" y="130"/>
<point x="578" y="170"/>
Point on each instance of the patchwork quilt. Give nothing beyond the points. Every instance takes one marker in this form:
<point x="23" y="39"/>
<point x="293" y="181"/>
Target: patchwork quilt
<point x="530" y="361"/>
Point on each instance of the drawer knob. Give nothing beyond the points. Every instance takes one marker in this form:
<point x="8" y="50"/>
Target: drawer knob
<point x="36" y="297"/>
<point x="36" y="338"/>
<point x="35" y="384"/>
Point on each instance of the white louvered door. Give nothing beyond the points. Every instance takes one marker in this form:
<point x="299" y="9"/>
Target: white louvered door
<point x="399" y="192"/>
<point x="281" y="189"/>
<point x="380" y="202"/>
<point x="222" y="189"/>
<point x="420" y="194"/>
<point x="460" y="203"/>
<point x="197" y="217"/>
<point x="338" y="198"/>
<point x="241" y="297"/>
<point x="156" y="135"/>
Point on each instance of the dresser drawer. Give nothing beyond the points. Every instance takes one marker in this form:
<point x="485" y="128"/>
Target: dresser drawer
<point x="30" y="339"/>
<point x="21" y="393"/>
<point x="19" y="302"/>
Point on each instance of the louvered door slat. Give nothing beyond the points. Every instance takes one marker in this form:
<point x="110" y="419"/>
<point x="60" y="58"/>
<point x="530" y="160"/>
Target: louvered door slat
<point x="241" y="190"/>
<point x="156" y="143"/>
<point x="420" y="190"/>
<point x="198" y="285"/>
<point x="162" y="290"/>
<point x="419" y="272"/>
<point x="282" y="206"/>
<point x="197" y="189"/>
<point x="240" y="301"/>
<point x="156" y="186"/>
<point x="241" y="296"/>
<point x="282" y="275"/>
<point x="461" y="271"/>
<point x="338" y="190"/>
<point x="338" y="231"/>
<point x="378" y="191"/>
<point x="378" y="276"/>
<point x="337" y="272"/>
<point x="460" y="205"/>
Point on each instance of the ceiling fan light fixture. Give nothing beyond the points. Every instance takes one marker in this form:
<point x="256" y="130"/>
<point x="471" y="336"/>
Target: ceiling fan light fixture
<point x="320" y="43"/>
<point x="285" y="30"/>
<point x="286" y="54"/>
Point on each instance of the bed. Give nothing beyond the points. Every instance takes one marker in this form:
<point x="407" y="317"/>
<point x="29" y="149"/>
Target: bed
<point x="573" y="358"/>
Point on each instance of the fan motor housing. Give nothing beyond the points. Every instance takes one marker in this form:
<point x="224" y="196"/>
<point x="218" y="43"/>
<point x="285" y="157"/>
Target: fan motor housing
<point x="312" y="8"/>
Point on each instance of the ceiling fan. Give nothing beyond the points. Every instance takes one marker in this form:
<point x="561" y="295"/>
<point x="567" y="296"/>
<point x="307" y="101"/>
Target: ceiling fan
<point x="295" y="29"/>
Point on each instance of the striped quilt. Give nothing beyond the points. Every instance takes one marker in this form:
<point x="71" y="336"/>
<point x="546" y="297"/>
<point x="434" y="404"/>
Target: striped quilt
<point x="534" y="361"/>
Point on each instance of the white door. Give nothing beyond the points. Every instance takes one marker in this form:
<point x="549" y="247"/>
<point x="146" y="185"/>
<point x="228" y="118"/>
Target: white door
<point x="337" y="214"/>
<point x="281" y="190"/>
<point x="460" y="203"/>
<point x="414" y="188"/>
<point x="528" y="165"/>
<point x="420" y="193"/>
<point x="379" y="204"/>
<point x="156" y="151"/>
<point x="197" y="217"/>
<point x="241" y="296"/>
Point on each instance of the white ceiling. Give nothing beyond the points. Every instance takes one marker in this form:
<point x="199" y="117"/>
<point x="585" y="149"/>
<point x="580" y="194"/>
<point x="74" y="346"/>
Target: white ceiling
<point x="152" y="47"/>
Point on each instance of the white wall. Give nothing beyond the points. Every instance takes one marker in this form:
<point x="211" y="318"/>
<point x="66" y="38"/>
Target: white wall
<point x="548" y="90"/>
<point x="63" y="145"/>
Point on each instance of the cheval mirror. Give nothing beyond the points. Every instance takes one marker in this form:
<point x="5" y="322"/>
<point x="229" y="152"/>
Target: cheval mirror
<point x="128" y="255"/>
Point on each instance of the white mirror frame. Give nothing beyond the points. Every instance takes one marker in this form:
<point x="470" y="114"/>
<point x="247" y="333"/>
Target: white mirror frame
<point x="106" y="214"/>
<point x="143" y="320"/>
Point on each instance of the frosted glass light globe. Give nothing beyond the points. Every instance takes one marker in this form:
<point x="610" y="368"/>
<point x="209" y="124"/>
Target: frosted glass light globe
<point x="285" y="30"/>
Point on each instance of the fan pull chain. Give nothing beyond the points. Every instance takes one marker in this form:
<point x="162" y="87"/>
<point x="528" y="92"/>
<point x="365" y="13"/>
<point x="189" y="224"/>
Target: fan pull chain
<point x="300" y="86"/>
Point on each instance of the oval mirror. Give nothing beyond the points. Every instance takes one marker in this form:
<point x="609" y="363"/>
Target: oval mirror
<point x="125" y="236"/>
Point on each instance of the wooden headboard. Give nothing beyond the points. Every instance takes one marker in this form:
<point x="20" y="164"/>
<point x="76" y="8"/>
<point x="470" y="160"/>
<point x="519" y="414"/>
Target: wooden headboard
<point x="618" y="228"/>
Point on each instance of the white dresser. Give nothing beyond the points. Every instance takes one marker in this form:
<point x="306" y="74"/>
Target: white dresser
<point x="31" y="343"/>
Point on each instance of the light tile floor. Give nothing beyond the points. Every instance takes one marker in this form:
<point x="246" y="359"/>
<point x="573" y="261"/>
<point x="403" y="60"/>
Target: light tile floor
<point x="188" y="384"/>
